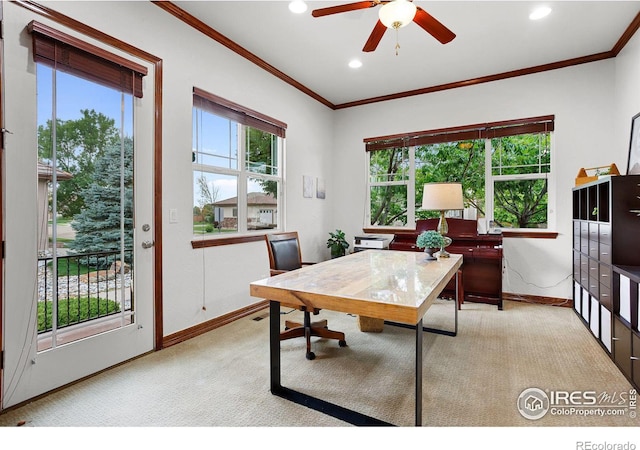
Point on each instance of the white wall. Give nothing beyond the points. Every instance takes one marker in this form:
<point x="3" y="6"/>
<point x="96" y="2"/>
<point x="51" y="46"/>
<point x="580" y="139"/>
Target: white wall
<point x="582" y="98"/>
<point x="627" y="93"/>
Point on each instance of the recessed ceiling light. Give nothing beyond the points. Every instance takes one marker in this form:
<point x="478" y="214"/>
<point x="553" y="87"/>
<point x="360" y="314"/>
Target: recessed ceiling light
<point x="355" y="63"/>
<point x="540" y="12"/>
<point x="297" y="6"/>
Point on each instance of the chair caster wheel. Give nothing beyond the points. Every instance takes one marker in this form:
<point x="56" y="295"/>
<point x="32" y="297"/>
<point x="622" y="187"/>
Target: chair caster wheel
<point x="311" y="356"/>
<point x="342" y="343"/>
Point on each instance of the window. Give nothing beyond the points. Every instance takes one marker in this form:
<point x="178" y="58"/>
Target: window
<point x="519" y="168"/>
<point x="503" y="168"/>
<point x="237" y="175"/>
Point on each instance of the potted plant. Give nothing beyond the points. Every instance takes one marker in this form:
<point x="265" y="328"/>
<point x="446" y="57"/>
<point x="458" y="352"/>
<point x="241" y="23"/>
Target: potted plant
<point x="337" y="243"/>
<point x="431" y="241"/>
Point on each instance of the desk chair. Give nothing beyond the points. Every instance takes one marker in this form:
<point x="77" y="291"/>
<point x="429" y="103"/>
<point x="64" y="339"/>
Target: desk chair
<point x="284" y="255"/>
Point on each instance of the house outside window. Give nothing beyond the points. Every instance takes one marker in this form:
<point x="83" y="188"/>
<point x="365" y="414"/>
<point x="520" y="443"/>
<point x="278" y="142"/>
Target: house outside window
<point x="503" y="168"/>
<point x="237" y="173"/>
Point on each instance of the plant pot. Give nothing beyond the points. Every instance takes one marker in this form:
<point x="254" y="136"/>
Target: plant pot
<point x="430" y="252"/>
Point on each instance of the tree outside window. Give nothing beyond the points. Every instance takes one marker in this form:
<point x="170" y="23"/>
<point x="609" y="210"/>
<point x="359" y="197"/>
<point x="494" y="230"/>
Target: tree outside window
<point x="503" y="171"/>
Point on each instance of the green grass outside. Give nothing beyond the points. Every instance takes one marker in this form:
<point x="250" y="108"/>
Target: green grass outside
<point x="70" y="267"/>
<point x="201" y="228"/>
<point x="62" y="220"/>
<point x="75" y="310"/>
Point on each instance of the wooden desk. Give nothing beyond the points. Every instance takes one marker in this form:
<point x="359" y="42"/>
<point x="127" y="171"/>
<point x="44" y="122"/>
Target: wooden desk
<point x="393" y="285"/>
<point x="482" y="257"/>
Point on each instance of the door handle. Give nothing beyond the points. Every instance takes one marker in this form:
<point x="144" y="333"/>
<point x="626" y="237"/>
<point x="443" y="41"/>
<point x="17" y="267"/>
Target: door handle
<point x="147" y="244"/>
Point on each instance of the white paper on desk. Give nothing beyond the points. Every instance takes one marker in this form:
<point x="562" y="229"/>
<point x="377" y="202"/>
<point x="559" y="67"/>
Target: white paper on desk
<point x="482" y="225"/>
<point x="625" y="298"/>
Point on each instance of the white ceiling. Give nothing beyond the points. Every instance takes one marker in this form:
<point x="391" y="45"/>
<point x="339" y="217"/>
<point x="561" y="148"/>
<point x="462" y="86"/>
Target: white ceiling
<point x="492" y="37"/>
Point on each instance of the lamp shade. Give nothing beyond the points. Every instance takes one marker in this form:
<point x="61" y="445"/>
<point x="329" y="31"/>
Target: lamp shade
<point x="397" y="14"/>
<point x="442" y="196"/>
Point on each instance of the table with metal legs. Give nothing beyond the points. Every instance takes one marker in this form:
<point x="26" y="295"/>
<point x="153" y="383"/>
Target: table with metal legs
<point x="398" y="287"/>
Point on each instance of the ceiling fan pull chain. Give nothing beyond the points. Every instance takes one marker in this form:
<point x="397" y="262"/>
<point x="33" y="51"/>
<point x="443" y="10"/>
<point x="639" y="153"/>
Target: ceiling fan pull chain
<point x="397" y="42"/>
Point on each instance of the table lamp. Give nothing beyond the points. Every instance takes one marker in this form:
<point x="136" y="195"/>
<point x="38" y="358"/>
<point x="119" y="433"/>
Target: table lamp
<point x="442" y="197"/>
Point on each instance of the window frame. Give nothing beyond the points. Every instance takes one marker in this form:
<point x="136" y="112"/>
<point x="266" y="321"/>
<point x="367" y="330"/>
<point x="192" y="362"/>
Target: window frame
<point x="244" y="118"/>
<point x="486" y="131"/>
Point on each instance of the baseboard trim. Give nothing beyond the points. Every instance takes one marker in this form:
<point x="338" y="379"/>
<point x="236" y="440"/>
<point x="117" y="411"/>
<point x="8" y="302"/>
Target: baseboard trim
<point x="201" y="328"/>
<point x="212" y="324"/>
<point x="539" y="300"/>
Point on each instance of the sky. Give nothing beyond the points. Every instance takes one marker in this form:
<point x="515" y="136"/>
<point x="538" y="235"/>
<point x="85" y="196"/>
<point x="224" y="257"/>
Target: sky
<point x="74" y="94"/>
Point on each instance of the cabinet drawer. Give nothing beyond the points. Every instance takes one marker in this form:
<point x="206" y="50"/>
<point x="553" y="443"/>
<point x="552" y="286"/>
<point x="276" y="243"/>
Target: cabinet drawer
<point x="584" y="278"/>
<point x="594" y="249"/>
<point x="605" y="233"/>
<point x="584" y="229"/>
<point x="635" y="362"/>
<point x="584" y="245"/>
<point x="605" y="297"/>
<point x="490" y="255"/>
<point x="622" y="346"/>
<point x="584" y="270"/>
<point x="594" y="269"/>
<point x="594" y="287"/>
<point x="605" y="275"/>
<point x="605" y="253"/>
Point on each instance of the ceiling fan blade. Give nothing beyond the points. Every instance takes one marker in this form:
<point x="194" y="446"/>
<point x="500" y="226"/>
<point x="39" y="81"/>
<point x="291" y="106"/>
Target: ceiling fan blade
<point x="343" y="8"/>
<point x="375" y="37"/>
<point x="432" y="26"/>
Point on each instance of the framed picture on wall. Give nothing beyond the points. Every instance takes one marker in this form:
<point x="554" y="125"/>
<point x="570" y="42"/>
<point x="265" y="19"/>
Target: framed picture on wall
<point x="320" y="189"/>
<point x="633" y="166"/>
<point x="307" y="186"/>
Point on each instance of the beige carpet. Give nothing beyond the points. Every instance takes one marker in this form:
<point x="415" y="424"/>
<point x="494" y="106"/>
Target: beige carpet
<point x="221" y="379"/>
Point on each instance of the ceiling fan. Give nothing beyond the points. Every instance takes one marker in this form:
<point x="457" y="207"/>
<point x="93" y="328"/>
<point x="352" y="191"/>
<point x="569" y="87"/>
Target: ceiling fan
<point x="393" y="14"/>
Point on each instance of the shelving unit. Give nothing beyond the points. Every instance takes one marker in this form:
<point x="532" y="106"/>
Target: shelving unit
<point x="606" y="266"/>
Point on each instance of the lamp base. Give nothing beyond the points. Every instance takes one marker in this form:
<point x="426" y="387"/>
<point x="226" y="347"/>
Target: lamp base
<point x="443" y="253"/>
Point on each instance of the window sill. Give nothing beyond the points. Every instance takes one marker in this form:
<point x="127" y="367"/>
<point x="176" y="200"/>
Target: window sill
<point x="231" y="240"/>
<point x="530" y="234"/>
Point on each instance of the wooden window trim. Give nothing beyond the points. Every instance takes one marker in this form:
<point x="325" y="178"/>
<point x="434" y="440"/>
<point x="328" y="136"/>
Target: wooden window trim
<point x="488" y="130"/>
<point x="230" y="110"/>
<point x="505" y="233"/>
<point x="69" y="54"/>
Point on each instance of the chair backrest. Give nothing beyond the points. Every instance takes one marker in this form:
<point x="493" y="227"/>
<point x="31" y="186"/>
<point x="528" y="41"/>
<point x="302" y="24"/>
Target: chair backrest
<point x="284" y="251"/>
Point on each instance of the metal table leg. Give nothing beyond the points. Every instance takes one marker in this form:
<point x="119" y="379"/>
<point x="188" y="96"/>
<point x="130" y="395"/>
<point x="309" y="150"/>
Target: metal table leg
<point x="419" y="334"/>
<point x="274" y="346"/>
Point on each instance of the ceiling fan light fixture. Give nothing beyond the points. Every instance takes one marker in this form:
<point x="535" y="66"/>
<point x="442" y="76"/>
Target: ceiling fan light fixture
<point x="397" y="14"/>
